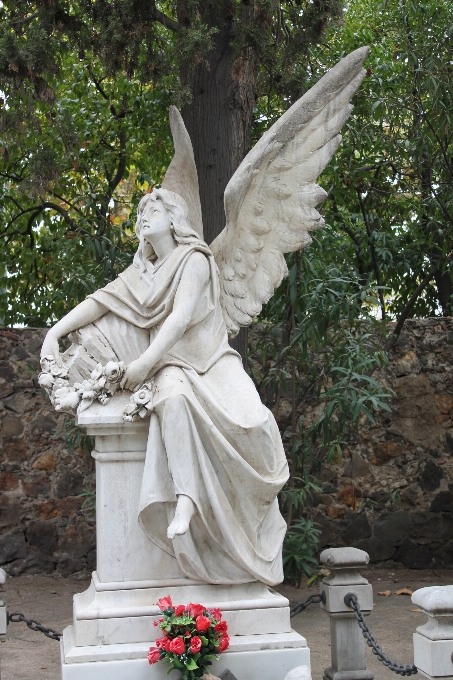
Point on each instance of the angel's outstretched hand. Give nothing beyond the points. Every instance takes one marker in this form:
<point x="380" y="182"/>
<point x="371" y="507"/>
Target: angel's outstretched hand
<point x="51" y="348"/>
<point x="135" y="374"/>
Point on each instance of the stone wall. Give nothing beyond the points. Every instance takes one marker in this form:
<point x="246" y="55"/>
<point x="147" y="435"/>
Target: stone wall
<point x="392" y="493"/>
<point x="43" y="527"/>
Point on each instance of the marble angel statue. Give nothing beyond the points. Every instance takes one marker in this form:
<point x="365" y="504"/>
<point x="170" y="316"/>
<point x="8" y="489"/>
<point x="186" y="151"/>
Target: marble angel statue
<point x="215" y="461"/>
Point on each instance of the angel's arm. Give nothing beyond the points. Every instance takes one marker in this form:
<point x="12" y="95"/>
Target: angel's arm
<point x="193" y="280"/>
<point x="86" y="312"/>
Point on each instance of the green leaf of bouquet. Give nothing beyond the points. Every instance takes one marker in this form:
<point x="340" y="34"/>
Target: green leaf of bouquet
<point x="191" y="665"/>
<point x="204" y="640"/>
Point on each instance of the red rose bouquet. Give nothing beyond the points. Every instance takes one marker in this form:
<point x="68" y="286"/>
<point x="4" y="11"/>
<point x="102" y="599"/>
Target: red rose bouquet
<point x="192" y="637"/>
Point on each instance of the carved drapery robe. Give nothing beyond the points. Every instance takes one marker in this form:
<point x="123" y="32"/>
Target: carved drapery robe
<point x="210" y="436"/>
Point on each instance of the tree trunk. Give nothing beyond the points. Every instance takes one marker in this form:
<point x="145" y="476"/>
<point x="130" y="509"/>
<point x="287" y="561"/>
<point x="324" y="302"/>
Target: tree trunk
<point x="444" y="291"/>
<point x="219" y="117"/>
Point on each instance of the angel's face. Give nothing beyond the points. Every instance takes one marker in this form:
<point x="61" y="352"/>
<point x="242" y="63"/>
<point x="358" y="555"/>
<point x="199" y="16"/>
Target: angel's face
<point x="155" y="220"/>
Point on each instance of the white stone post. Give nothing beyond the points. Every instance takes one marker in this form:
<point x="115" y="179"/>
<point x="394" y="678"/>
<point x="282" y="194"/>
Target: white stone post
<point x="347" y="643"/>
<point x="433" y="642"/>
<point x="3" y="621"/>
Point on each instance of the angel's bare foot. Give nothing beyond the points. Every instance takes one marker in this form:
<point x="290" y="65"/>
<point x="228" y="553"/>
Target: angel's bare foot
<point x="185" y="510"/>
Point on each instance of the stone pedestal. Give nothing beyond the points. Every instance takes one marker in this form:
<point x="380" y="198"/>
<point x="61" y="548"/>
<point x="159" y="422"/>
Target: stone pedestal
<point x="347" y="643"/>
<point x="113" y="620"/>
<point x="433" y="642"/>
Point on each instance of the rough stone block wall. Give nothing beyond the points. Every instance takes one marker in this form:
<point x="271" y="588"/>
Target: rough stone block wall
<point x="42" y="525"/>
<point x="392" y="493"/>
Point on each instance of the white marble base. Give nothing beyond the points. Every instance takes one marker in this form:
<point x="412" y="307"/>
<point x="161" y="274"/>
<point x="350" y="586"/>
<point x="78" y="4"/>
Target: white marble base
<point x="114" y="613"/>
<point x="250" y="657"/>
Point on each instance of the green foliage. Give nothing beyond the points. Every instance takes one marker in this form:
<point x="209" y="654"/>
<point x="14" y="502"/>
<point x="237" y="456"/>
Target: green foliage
<point x="72" y="173"/>
<point x="390" y="199"/>
<point x="74" y="436"/>
<point x="299" y="550"/>
<point x="316" y="350"/>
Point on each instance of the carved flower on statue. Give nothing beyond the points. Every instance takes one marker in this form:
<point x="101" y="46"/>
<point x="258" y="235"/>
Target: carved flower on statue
<point x="103" y="398"/>
<point x="58" y="371"/>
<point x="114" y="371"/>
<point x="96" y="372"/>
<point x="46" y="380"/>
<point x="143" y="396"/>
<point x="62" y="392"/>
<point x="140" y="403"/>
<point x="69" y="401"/>
<point x="60" y="382"/>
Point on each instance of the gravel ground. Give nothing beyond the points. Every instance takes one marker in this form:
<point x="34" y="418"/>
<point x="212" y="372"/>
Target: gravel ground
<point x="26" y="655"/>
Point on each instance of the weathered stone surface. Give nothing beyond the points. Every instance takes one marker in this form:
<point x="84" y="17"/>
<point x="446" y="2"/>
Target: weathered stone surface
<point x="10" y="511"/>
<point x="377" y="548"/>
<point x="358" y="527"/>
<point x="384" y="452"/>
<point x="414" y="556"/>
<point x="442" y="502"/>
<point x="431" y="476"/>
<point x="69" y="484"/>
<point x="43" y="423"/>
<point x="46" y="462"/>
<point x="5" y="389"/>
<point x="32" y="462"/>
<point x="9" y="482"/>
<point x="393" y="527"/>
<point x="12" y="546"/>
<point x="36" y="487"/>
<point x="11" y="426"/>
<point x="35" y="562"/>
<point x="42" y="535"/>
<point x="357" y="466"/>
<point x="59" y="507"/>
<point x="71" y="565"/>
<point x="77" y="540"/>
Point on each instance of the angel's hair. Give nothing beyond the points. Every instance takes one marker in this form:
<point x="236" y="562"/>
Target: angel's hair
<point x="180" y="226"/>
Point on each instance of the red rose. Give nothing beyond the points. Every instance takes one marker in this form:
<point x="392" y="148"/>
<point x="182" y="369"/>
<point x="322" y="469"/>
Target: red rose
<point x="164" y="603"/>
<point x="195" y="609"/>
<point x="217" y="614"/>
<point x="165" y="643"/>
<point x="202" y="624"/>
<point x="224" y="643"/>
<point x="177" y="646"/>
<point x="153" y="655"/>
<point x="180" y="609"/>
<point x="221" y="627"/>
<point x="195" y="644"/>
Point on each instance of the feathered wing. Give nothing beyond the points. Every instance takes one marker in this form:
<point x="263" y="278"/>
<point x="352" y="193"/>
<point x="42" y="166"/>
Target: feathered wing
<point x="270" y="200"/>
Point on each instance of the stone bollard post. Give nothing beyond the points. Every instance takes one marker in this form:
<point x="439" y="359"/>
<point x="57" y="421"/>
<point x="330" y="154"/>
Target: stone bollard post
<point x="433" y="642"/>
<point x="3" y="621"/>
<point x="347" y="643"/>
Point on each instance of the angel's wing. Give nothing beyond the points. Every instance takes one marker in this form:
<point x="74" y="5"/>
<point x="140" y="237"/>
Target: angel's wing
<point x="270" y="200"/>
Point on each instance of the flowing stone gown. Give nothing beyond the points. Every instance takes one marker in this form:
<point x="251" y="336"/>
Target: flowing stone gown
<point x="210" y="436"/>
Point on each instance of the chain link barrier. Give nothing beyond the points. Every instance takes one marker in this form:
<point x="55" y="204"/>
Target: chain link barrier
<point x="313" y="599"/>
<point x="351" y="601"/>
<point x="17" y="617"/>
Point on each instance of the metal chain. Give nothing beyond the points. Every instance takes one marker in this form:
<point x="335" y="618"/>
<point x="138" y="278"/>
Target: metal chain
<point x="313" y="599"/>
<point x="351" y="601"/>
<point x="34" y="625"/>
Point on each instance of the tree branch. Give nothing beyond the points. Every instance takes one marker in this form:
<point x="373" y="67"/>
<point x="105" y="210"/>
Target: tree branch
<point x="62" y="212"/>
<point x="162" y="18"/>
<point x="391" y="342"/>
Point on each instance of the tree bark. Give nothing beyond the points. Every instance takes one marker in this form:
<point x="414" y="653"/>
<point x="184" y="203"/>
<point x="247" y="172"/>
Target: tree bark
<point x="219" y="117"/>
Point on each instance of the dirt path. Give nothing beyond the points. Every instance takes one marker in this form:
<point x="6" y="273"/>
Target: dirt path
<point x="26" y="655"/>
